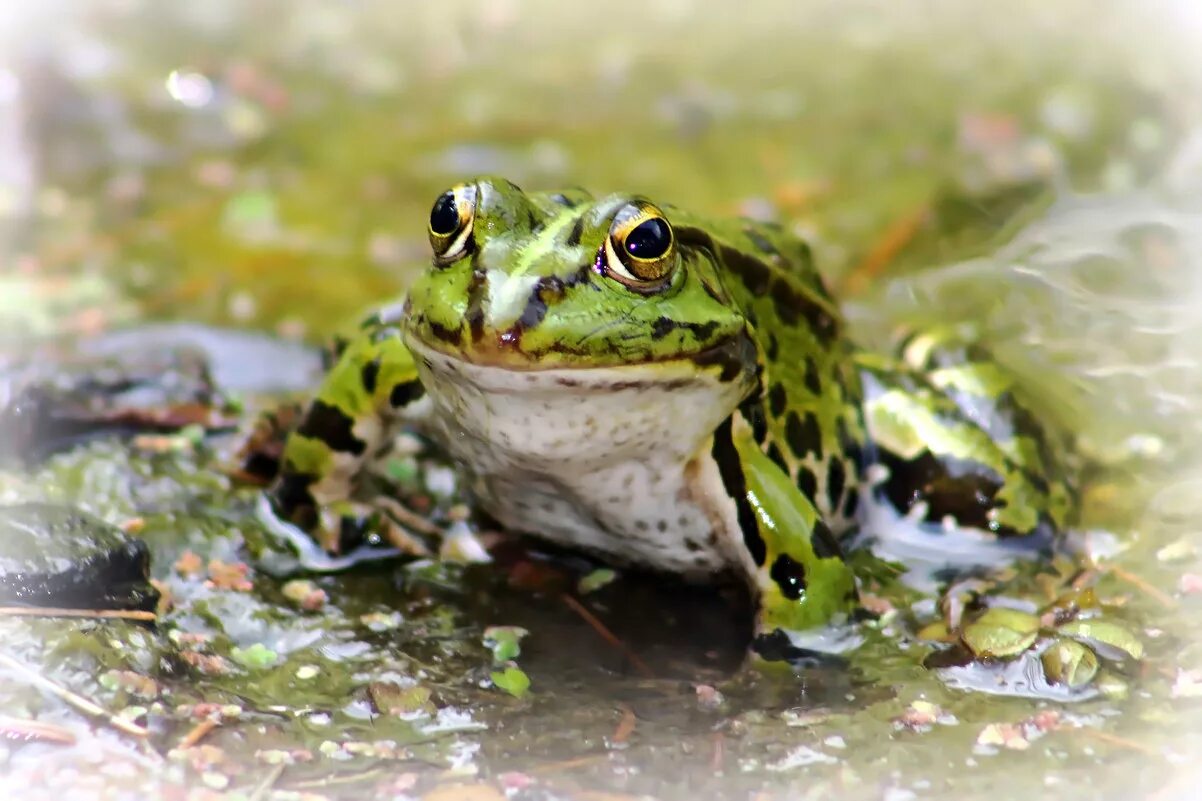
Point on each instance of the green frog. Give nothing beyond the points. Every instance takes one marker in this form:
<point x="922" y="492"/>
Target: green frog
<point x="666" y="391"/>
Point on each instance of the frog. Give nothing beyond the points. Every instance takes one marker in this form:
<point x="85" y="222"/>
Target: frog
<point x="666" y="391"/>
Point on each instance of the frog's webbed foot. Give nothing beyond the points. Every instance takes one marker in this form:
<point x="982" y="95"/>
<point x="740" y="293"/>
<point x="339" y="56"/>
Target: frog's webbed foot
<point x="384" y="522"/>
<point x="342" y="534"/>
<point x="822" y="648"/>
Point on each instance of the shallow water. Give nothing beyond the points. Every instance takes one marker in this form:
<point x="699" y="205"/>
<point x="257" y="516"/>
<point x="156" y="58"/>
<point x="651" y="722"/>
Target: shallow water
<point x="1029" y="170"/>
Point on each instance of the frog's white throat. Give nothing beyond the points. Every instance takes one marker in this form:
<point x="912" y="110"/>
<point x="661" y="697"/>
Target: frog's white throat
<point x="594" y="458"/>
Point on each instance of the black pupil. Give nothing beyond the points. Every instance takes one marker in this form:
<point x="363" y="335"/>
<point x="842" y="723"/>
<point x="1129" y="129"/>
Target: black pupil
<point x="444" y="217"/>
<point x="649" y="239"/>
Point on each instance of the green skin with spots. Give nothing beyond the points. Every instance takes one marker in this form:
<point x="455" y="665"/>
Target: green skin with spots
<point x="532" y="285"/>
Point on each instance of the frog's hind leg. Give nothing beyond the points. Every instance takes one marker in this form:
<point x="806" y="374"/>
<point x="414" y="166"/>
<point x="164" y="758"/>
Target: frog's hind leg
<point x="372" y="387"/>
<point x="959" y="444"/>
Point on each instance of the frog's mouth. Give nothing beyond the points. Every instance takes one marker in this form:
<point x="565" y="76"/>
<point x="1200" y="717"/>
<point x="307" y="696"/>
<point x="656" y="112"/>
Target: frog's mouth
<point x="730" y="360"/>
<point x="564" y="415"/>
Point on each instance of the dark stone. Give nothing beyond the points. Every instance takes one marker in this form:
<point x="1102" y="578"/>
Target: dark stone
<point x="60" y="556"/>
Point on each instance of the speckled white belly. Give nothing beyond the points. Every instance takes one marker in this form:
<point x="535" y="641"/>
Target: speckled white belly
<point x="599" y="459"/>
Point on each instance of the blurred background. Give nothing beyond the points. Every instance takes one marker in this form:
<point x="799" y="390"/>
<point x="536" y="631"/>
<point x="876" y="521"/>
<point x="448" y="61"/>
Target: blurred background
<point x="271" y="164"/>
<point x="1032" y="168"/>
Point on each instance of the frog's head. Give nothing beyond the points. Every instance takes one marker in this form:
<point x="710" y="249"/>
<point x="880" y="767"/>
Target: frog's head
<point x="554" y="280"/>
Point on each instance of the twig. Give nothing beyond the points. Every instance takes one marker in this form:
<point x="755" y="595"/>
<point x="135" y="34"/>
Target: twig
<point x="23" y="729"/>
<point x="1122" y="742"/>
<point x="197" y="733"/>
<point x="895" y="238"/>
<point x="1166" y="600"/>
<point x="407" y="517"/>
<point x="608" y="635"/>
<point x="331" y="781"/>
<point x="55" y="611"/>
<point x="74" y="699"/>
<point x="265" y="785"/>
<point x="717" y="752"/>
<point x="568" y="764"/>
<point x="625" y="725"/>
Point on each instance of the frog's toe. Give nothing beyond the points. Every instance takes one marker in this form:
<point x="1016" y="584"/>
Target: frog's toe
<point x="312" y="553"/>
<point x="813" y="646"/>
<point x="348" y="526"/>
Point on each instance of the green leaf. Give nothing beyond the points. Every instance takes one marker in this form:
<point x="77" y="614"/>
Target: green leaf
<point x="1070" y="663"/>
<point x="595" y="580"/>
<point x="512" y="680"/>
<point x="1111" y="640"/>
<point x="1001" y="632"/>
<point x="256" y="657"/>
<point x="504" y="642"/>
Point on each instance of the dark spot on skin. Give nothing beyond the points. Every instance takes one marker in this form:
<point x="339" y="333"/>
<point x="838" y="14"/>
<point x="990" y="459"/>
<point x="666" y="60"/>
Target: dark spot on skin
<point x="369" y="374"/>
<point x="778" y="399"/>
<point x="786" y="301"/>
<point x="777" y="457"/>
<point x="406" y="393"/>
<point x="293" y="500"/>
<point x="835" y="479"/>
<point x="711" y="291"/>
<point x="330" y="425"/>
<point x="665" y="325"/>
<point x="791" y="304"/>
<point x="851" y="504"/>
<point x="474" y="315"/>
<point x="619" y="386"/>
<point x="803" y="437"/>
<point x="661" y="526"/>
<point x="752" y="410"/>
<point x="641" y="525"/>
<point x="333" y="352"/>
<point x="577" y="231"/>
<point x="756" y="275"/>
<point x="736" y="356"/>
<point x="731" y="471"/>
<point x="692" y="546"/>
<point x="761" y="242"/>
<point x="563" y="200"/>
<point x="773" y="350"/>
<point x="824" y="543"/>
<point x="807" y="482"/>
<point x="533" y="222"/>
<point x="440" y="331"/>
<point x="813" y="379"/>
<point x="961" y="488"/>
<point x="789" y="575"/>
<point x="545" y="293"/>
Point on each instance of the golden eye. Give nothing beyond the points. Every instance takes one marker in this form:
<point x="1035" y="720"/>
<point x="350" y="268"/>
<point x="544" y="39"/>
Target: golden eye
<point x="640" y="250"/>
<point x="451" y="223"/>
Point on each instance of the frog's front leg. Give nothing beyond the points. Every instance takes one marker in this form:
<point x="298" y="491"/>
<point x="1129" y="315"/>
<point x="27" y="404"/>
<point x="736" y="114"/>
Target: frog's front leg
<point x="798" y="572"/>
<point x="371" y="388"/>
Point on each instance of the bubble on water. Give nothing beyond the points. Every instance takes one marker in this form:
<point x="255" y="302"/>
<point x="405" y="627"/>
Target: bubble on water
<point x="189" y="89"/>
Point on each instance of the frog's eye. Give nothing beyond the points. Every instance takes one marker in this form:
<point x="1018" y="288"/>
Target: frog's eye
<point x="640" y="250"/>
<point x="451" y="223"/>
